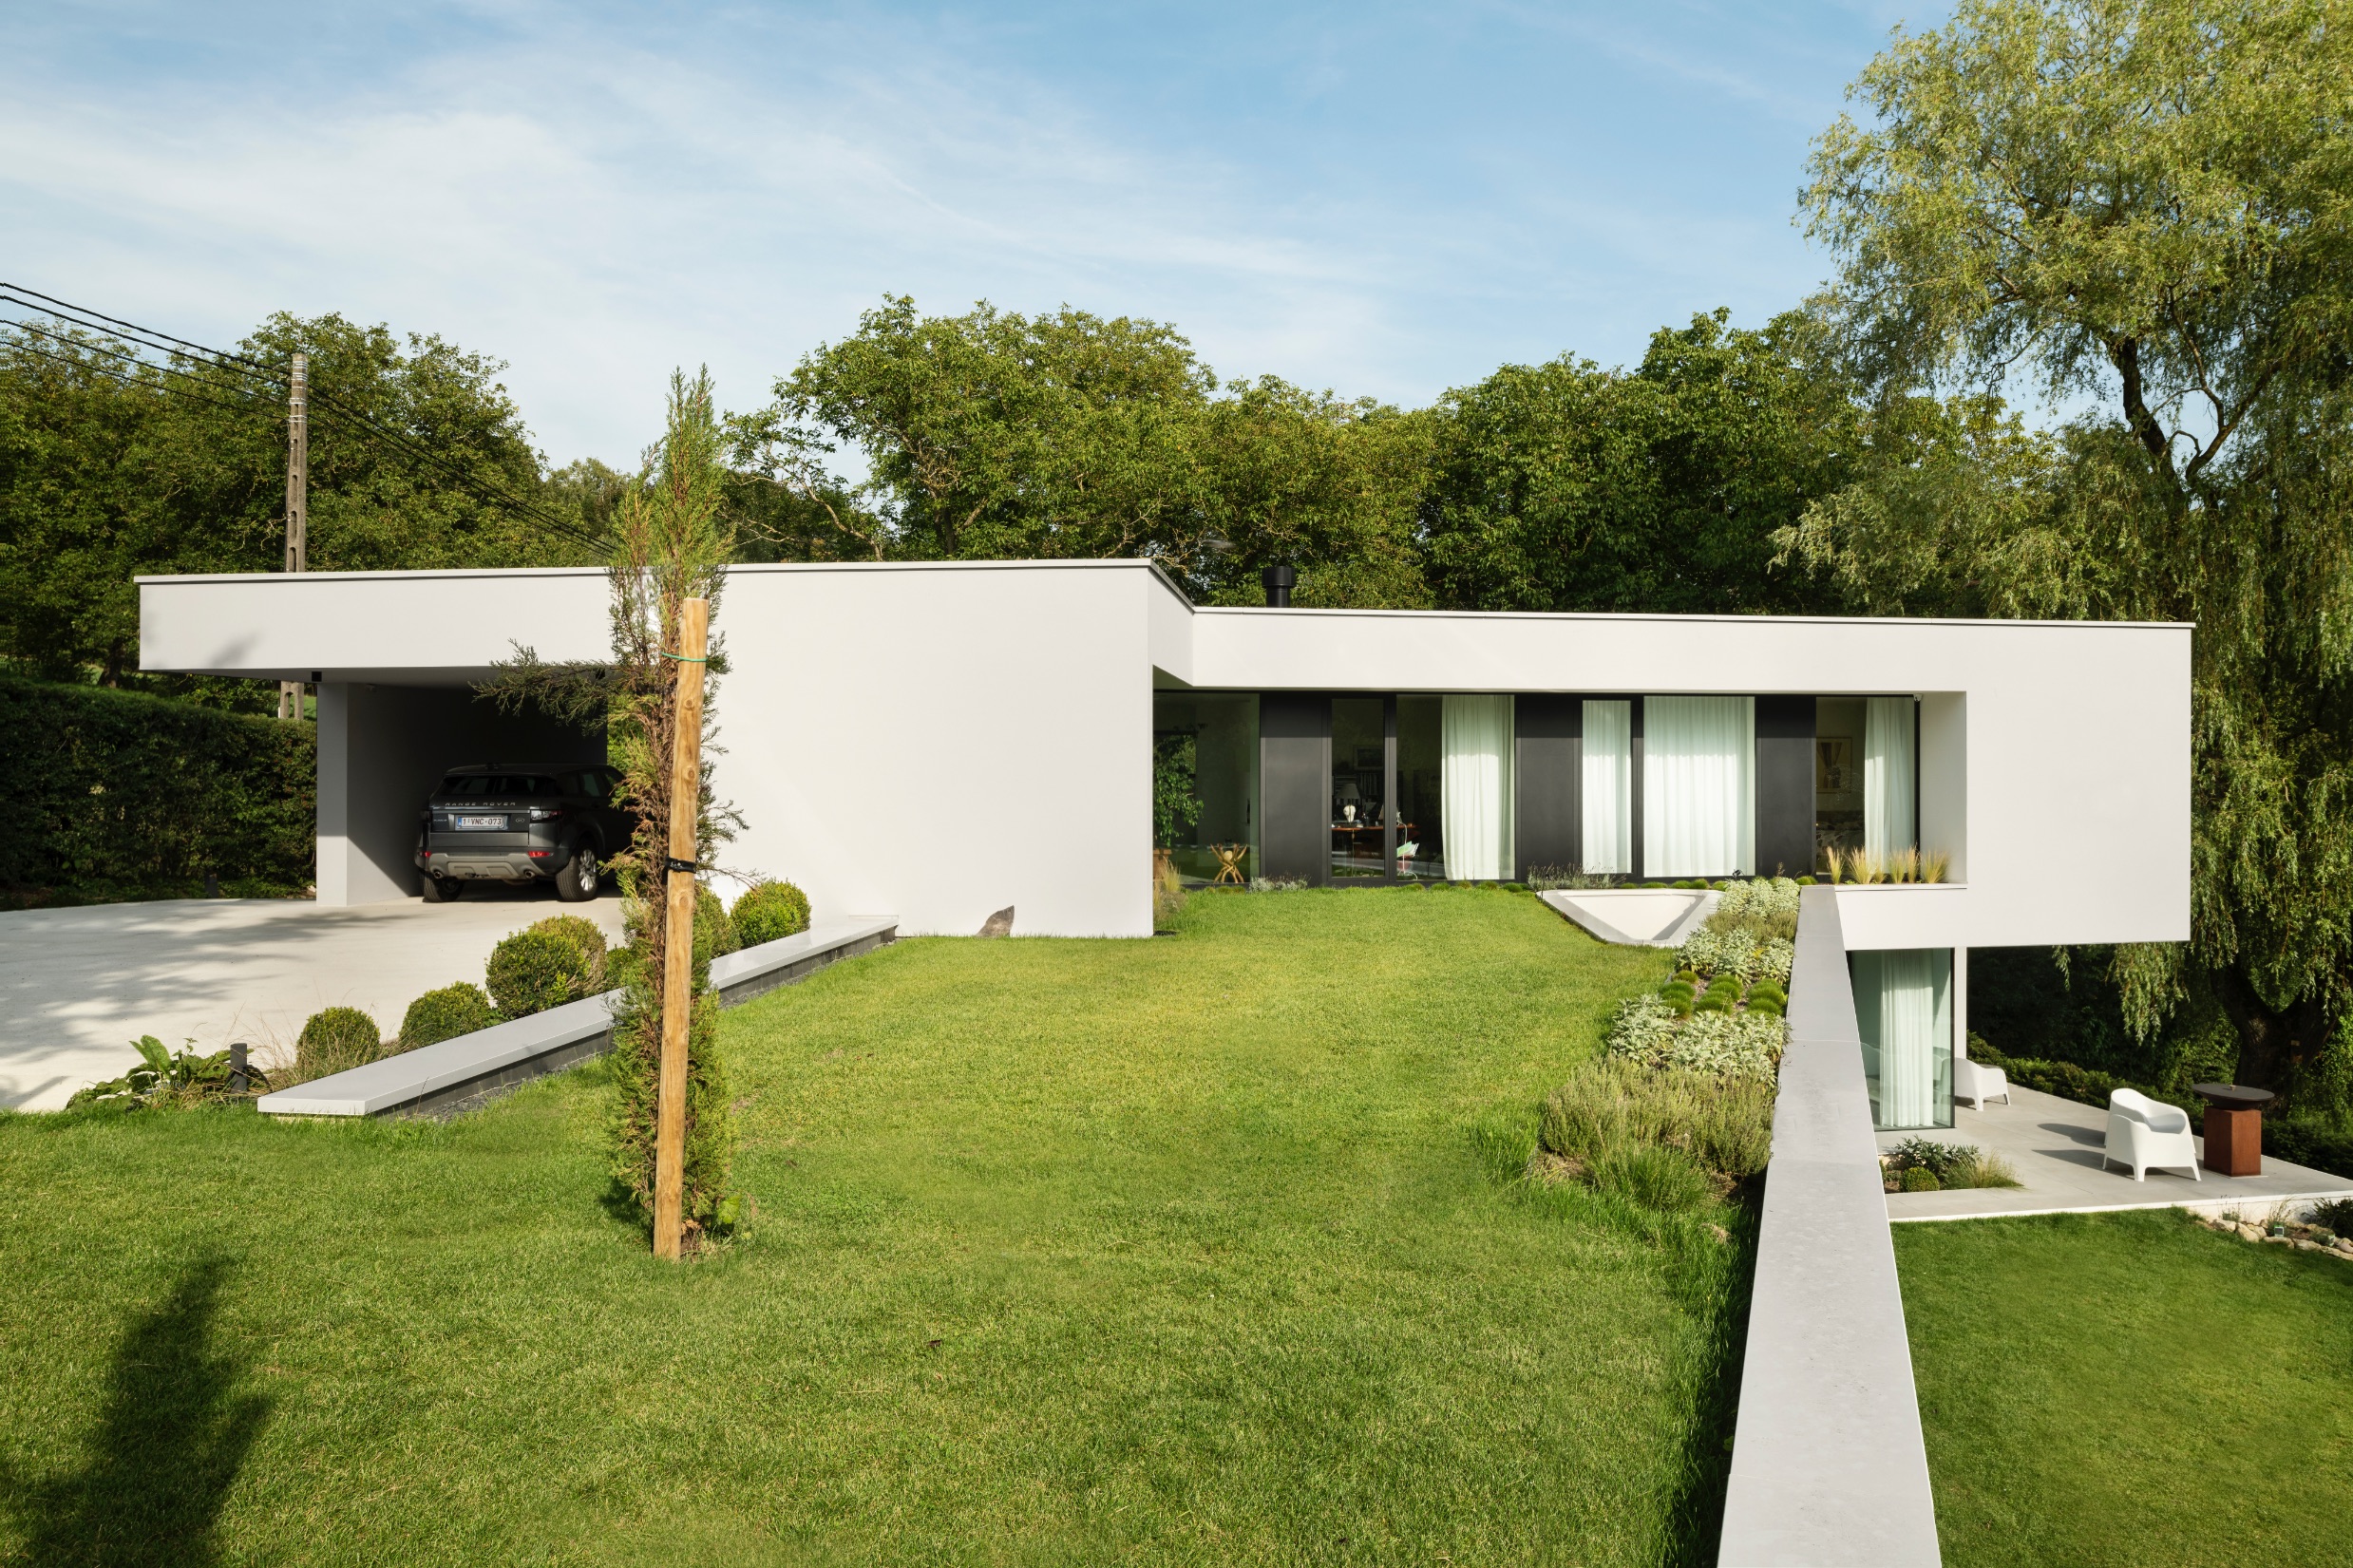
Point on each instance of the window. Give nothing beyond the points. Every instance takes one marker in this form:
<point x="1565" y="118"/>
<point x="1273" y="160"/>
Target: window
<point x="1475" y="790"/>
<point x="1699" y="786"/>
<point x="1606" y="788"/>
<point x="1904" y="1007"/>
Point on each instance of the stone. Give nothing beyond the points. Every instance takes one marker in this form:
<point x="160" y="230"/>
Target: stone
<point x="998" y="924"/>
<point x="2251" y="1233"/>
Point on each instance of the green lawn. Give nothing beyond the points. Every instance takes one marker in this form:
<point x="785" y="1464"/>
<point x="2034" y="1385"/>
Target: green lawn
<point x="1189" y="1249"/>
<point x="2132" y="1390"/>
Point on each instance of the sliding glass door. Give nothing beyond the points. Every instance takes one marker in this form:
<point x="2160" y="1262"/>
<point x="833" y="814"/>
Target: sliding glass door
<point x="1699" y="786"/>
<point x="1605" y="785"/>
<point x="1904" y="1007"/>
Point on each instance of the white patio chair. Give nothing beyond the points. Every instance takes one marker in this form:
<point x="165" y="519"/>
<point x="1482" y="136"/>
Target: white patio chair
<point x="1977" y="1082"/>
<point x="2143" y="1132"/>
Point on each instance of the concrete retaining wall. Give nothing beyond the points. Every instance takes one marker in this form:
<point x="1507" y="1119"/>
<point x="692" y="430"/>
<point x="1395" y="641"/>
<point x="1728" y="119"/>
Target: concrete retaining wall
<point x="459" y="1074"/>
<point x="1828" y="1465"/>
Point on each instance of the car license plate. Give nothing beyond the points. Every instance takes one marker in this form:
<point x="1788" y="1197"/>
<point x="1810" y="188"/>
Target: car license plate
<point x="494" y="824"/>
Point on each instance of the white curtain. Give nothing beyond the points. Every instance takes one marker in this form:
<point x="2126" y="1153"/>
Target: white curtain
<point x="1475" y="796"/>
<point x="1699" y="786"/>
<point x="1608" y="787"/>
<point x="1887" y="827"/>
<point x="1904" y="1007"/>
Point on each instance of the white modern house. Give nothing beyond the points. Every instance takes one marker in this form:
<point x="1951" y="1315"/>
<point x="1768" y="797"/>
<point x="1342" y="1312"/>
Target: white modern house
<point x="942" y="740"/>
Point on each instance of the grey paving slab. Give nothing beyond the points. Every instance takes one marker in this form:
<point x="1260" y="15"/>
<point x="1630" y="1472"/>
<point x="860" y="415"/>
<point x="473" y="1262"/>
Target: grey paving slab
<point x="78" y="985"/>
<point x="1828" y="1463"/>
<point x="1634" y="917"/>
<point x="2055" y="1146"/>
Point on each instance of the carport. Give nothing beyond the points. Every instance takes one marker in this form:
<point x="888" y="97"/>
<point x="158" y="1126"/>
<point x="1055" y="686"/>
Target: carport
<point x="389" y="724"/>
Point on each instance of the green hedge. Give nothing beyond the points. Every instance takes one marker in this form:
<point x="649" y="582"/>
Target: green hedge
<point x="115" y="795"/>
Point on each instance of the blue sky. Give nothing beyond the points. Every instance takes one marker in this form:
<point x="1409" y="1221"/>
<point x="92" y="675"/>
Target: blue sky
<point x="1380" y="199"/>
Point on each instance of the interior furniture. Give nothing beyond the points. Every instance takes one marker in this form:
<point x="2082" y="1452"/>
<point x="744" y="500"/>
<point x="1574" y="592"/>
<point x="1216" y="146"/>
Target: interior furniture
<point x="2144" y="1133"/>
<point x="2233" y="1128"/>
<point x="1977" y="1082"/>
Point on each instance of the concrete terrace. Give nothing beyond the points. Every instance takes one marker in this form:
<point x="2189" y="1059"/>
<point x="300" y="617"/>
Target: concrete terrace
<point x="2055" y="1146"/>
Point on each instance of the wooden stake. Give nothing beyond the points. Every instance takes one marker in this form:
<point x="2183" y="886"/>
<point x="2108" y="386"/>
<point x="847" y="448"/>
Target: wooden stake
<point x="686" y="787"/>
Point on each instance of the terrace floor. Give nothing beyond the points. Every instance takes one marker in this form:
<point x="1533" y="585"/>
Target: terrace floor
<point x="2055" y="1145"/>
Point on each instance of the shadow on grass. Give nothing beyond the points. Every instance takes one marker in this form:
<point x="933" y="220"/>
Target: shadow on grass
<point x="170" y="1441"/>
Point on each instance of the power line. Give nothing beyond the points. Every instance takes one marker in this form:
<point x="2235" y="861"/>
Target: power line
<point x="119" y="377"/>
<point x="218" y="359"/>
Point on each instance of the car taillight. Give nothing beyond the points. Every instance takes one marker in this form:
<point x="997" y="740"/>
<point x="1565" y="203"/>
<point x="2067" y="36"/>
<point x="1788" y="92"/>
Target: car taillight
<point x="546" y="813"/>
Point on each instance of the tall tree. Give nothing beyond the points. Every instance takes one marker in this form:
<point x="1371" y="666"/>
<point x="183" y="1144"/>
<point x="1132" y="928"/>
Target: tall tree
<point x="111" y="467"/>
<point x="1567" y="487"/>
<point x="1068" y="436"/>
<point x="2146" y="206"/>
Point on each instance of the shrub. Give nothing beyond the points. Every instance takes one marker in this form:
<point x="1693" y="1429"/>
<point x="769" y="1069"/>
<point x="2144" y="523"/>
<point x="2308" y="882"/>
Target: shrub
<point x="2334" y="1214"/>
<point x="336" y="1040"/>
<point x="1612" y="1106"/>
<point x="1643" y="1026"/>
<point x="535" y="969"/>
<point x="585" y="938"/>
<point x="2324" y="1144"/>
<point x="769" y="912"/>
<point x="445" y="1014"/>
<point x="1721" y="1045"/>
<point x="1918" y="1179"/>
<point x="162" y="1077"/>
<point x="117" y="794"/>
<point x="1949" y="1166"/>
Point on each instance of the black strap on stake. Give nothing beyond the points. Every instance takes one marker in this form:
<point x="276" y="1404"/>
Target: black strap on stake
<point x="674" y="865"/>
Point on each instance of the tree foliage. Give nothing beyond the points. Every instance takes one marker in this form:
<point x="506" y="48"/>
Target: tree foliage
<point x="2145" y="206"/>
<point x="993" y="435"/>
<point x="1568" y="486"/>
<point x="111" y="467"/>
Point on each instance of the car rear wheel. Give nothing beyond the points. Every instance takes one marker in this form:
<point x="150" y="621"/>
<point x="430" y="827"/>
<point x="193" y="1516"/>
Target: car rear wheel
<point x="577" y="881"/>
<point x="440" y="890"/>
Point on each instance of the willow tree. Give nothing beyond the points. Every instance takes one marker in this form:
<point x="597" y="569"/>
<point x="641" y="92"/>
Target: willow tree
<point x="2143" y="212"/>
<point x="672" y="545"/>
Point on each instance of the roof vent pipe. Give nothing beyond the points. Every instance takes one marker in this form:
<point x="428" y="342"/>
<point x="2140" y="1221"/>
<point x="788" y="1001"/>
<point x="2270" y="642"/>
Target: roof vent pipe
<point x="1278" y="580"/>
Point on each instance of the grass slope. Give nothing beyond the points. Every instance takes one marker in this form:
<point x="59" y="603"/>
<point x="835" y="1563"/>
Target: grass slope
<point x="2131" y="1390"/>
<point x="1168" y="1251"/>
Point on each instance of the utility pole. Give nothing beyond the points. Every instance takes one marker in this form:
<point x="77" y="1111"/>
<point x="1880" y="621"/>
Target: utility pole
<point x="297" y="500"/>
<point x="686" y="788"/>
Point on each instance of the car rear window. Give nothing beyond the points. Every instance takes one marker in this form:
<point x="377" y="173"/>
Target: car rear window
<point x="498" y="785"/>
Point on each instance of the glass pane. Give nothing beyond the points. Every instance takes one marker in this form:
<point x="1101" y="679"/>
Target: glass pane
<point x="1217" y="732"/>
<point x="1421" y="846"/>
<point x="1888" y="726"/>
<point x="1357" y="752"/>
<point x="1607" y="830"/>
<point x="1837" y="778"/>
<point x="1476" y="799"/>
<point x="1903" y="1008"/>
<point x="1699" y="786"/>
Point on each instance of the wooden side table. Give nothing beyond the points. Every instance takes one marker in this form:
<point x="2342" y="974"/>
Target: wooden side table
<point x="1229" y="862"/>
<point x="2233" y="1128"/>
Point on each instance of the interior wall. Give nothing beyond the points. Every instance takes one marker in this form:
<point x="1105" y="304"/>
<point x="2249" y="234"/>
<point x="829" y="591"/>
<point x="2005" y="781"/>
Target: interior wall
<point x="382" y="749"/>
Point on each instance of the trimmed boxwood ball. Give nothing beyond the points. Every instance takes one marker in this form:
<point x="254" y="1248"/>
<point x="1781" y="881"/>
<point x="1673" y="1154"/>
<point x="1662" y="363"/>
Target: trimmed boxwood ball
<point x="336" y="1040"/>
<point x="770" y="911"/>
<point x="584" y="937"/>
<point x="445" y="1014"/>
<point x="1921" y="1179"/>
<point x="533" y="971"/>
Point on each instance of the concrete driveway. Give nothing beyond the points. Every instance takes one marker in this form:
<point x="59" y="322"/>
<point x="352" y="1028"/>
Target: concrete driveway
<point x="78" y="985"/>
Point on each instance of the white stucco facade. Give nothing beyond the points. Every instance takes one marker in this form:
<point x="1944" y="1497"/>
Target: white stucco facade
<point x="940" y="740"/>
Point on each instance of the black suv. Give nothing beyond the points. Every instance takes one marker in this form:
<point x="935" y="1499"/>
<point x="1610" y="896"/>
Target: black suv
<point x="522" y="822"/>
